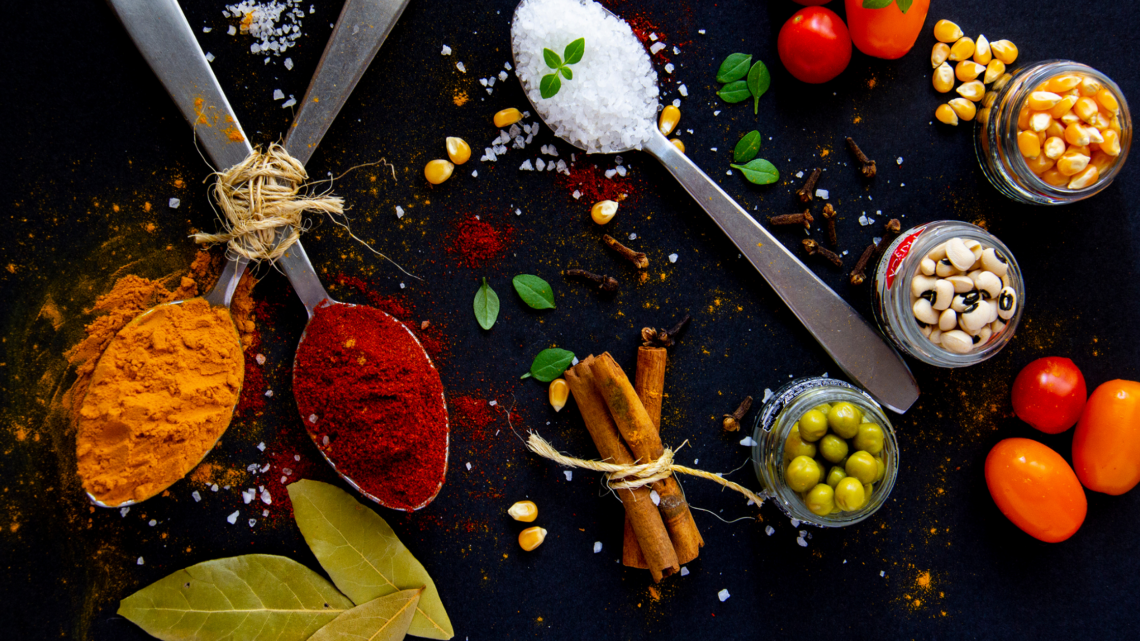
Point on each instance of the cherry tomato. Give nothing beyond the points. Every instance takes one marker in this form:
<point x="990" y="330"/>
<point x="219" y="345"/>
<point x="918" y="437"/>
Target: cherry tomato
<point x="1106" y="445"/>
<point x="1036" y="489"/>
<point x="1049" y="394"/>
<point x="888" y="32"/>
<point x="814" y="45"/>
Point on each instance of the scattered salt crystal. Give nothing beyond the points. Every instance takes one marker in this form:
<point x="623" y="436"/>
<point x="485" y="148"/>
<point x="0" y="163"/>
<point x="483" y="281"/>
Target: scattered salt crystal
<point x="683" y="90"/>
<point x="676" y="51"/>
<point x="152" y="523"/>
<point x="289" y="103"/>
<point x="123" y="511"/>
<point x="446" y="51"/>
<point x="209" y="57"/>
<point x="701" y="31"/>
<point x="313" y="419"/>
<point x="864" y="220"/>
<point x="723" y="595"/>
<point x="261" y="446"/>
<point x="233" y="517"/>
<point x="231" y="31"/>
<point x="824" y="375"/>
<point x="260" y="358"/>
<point x="399" y="211"/>
<point x="684" y="570"/>
<point x="283" y="479"/>
<point x="289" y="64"/>
<point x="468" y="467"/>
<point x="715" y="113"/>
<point x="475" y="173"/>
<point x="266" y="498"/>
<point x="799" y="174"/>
<point x="633" y="236"/>
<point x="569" y="474"/>
<point x="899" y="161"/>
<point x="655" y="497"/>
<point x="278" y="94"/>
<point x="876" y="240"/>
<point x="669" y="67"/>
<point x="526" y="166"/>
<point x="747" y="441"/>
<point x="795" y="522"/>
<point x="491" y="81"/>
<point x="672" y="258"/>
<point x="518" y="212"/>
<point x="656" y="48"/>
<point x="577" y="194"/>
<point x="214" y="487"/>
<point x="265" y="512"/>
<point x="252" y="522"/>
<point x="296" y="457"/>
<point x="483" y="81"/>
<point x="540" y="165"/>
<point x="502" y="75"/>
<point x="196" y="496"/>
<point x="140" y="561"/>
<point x="653" y="36"/>
<point x="728" y="172"/>
<point x="610" y="173"/>
<point x="597" y="547"/>
<point x="248" y="495"/>
<point x="402" y="285"/>
<point x="801" y="541"/>
<point x="460" y="67"/>
<point x="844" y="252"/>
<point x="769" y="530"/>
<point x="621" y="170"/>
<point x="174" y="203"/>
<point x="325" y="440"/>
<point x="574" y="361"/>
<point x="507" y="66"/>
<point x="821" y="193"/>
<point x="882" y="573"/>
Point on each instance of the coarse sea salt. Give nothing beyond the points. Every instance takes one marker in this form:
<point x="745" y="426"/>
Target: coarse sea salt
<point x="611" y="104"/>
<point x="597" y="547"/>
<point x="684" y="570"/>
<point x="723" y="595"/>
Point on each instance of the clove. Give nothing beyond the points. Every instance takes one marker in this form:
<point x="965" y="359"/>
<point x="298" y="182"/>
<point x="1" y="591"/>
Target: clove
<point x="890" y="231"/>
<point x="732" y="421"/>
<point x="663" y="338"/>
<point x="808" y="190"/>
<point x="813" y="249"/>
<point x="804" y="219"/>
<point x="859" y="274"/>
<point x="606" y="284"/>
<point x="639" y="259"/>
<point x="867" y="165"/>
<point x="828" y="215"/>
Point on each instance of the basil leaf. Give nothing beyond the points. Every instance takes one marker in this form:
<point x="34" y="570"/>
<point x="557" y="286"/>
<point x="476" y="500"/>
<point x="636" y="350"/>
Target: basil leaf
<point x="566" y="72"/>
<point x="734" y="92"/>
<point x="486" y="306"/>
<point x="551" y="58"/>
<point x="550" y="363"/>
<point x="734" y="67"/>
<point x="759" y="172"/>
<point x="574" y="51"/>
<point x="877" y="4"/>
<point x="758" y="82"/>
<point x="534" y="291"/>
<point x="904" y="5"/>
<point x="747" y="148"/>
<point x="549" y="85"/>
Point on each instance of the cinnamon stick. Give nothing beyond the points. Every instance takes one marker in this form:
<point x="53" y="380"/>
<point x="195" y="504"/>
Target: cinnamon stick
<point x="644" y="519"/>
<point x="649" y="381"/>
<point x="644" y="441"/>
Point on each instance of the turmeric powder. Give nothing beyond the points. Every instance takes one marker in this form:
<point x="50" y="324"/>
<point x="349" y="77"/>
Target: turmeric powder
<point x="160" y="397"/>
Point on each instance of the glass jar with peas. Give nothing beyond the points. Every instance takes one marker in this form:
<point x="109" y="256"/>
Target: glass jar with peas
<point x="825" y="452"/>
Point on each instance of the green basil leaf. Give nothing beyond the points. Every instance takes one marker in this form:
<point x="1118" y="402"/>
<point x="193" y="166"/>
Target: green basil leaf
<point x="383" y="619"/>
<point x="758" y="82"/>
<point x="486" y="306"/>
<point x="566" y="72"/>
<point x="877" y="4"/>
<point x="534" y="291"/>
<point x="734" y="67"/>
<point x="551" y="58"/>
<point x="549" y="85"/>
<point x="904" y="5"/>
<point x="759" y="172"/>
<point x="574" y="51"/>
<point x="550" y="363"/>
<point x="734" y="92"/>
<point x="747" y="148"/>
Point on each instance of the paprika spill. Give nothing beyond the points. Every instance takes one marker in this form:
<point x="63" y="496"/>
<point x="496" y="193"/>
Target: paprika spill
<point x="478" y="242"/>
<point x="373" y="403"/>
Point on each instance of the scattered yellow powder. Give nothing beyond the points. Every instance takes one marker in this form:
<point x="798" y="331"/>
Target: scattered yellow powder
<point x="460" y="98"/>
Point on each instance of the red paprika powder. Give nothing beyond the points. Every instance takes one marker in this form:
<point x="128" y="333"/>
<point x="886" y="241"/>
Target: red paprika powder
<point x="373" y="403"/>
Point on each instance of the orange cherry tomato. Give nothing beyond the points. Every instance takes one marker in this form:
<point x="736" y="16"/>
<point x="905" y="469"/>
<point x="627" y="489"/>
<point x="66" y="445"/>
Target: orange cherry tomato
<point x="1106" y="444"/>
<point x="1036" y="489"/>
<point x="888" y="32"/>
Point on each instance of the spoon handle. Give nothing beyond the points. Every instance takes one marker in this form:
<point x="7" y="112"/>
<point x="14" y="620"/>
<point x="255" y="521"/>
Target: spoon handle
<point x="845" y="335"/>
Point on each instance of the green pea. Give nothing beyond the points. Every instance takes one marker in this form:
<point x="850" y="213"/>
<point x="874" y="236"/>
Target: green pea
<point x="869" y="438"/>
<point x="834" y="475"/>
<point x="813" y="425"/>
<point x="802" y="473"/>
<point x="882" y="469"/>
<point x="850" y="495"/>
<point x="832" y="448"/>
<point x="862" y="466"/>
<point x="795" y="446"/>
<point x="821" y="499"/>
<point x="844" y="419"/>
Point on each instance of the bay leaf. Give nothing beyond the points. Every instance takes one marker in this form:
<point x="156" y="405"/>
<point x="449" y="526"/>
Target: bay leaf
<point x="256" y="596"/>
<point x="362" y="555"/>
<point x="383" y="619"/>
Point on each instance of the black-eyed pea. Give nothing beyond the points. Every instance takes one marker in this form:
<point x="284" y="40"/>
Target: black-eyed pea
<point x="975" y="247"/>
<point x="935" y="336"/>
<point x="948" y="320"/>
<point x="1005" y="280"/>
<point x="927" y="266"/>
<point x="988" y="283"/>
<point x="921" y="284"/>
<point x="973" y="317"/>
<point x="1006" y="303"/>
<point x="962" y="284"/>
<point x="982" y="337"/>
<point x="959" y="255"/>
<point x="924" y="312"/>
<point x="945" y="268"/>
<point x="959" y="303"/>
<point x="992" y="308"/>
<point x="938" y="253"/>
<point x="957" y="341"/>
<point x="997" y="326"/>
<point x="926" y="329"/>
<point x="943" y="294"/>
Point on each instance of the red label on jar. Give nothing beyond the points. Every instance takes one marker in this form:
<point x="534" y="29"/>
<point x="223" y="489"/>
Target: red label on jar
<point x="901" y="252"/>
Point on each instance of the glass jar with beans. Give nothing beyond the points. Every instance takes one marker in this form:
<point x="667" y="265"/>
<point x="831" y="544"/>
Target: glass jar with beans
<point x="825" y="452"/>
<point x="948" y="293"/>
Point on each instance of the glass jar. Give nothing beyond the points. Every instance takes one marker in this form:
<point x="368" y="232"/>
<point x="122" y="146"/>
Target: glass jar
<point x="775" y="422"/>
<point x="893" y="305"/>
<point x="995" y="141"/>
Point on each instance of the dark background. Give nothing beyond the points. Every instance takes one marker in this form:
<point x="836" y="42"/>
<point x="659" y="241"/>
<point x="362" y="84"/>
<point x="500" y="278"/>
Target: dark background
<point x="89" y="136"/>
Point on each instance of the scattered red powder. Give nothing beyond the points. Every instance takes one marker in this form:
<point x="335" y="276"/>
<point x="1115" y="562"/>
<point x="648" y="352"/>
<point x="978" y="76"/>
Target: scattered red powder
<point x="394" y="304"/>
<point x="478" y="242"/>
<point x="472" y="416"/>
<point x="592" y="185"/>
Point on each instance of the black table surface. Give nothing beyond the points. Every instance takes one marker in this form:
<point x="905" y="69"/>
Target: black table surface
<point x="90" y="137"/>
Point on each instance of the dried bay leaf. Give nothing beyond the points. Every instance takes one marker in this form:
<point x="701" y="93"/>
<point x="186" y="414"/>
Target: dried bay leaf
<point x="256" y="596"/>
<point x="384" y="619"/>
<point x="362" y="554"/>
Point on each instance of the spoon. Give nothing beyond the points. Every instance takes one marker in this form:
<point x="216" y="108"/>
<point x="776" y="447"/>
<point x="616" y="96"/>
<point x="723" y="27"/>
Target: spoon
<point x="161" y="32"/>
<point x="844" y="334"/>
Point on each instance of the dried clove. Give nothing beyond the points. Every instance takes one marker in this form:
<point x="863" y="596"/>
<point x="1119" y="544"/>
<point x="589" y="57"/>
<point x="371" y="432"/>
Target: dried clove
<point x="890" y="231"/>
<point x="804" y="219"/>
<point x="813" y="249"/>
<point x="867" y="165"/>
<point x="808" y="190"/>
<point x="859" y="274"/>
<point x="639" y="259"/>
<point x="828" y="215"/>
<point x="663" y="338"/>
<point x="606" y="284"/>
<point x="732" y="421"/>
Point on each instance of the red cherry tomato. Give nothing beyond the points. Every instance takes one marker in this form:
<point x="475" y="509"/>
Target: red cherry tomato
<point x="888" y="32"/>
<point x="1106" y="445"/>
<point x="814" y="45"/>
<point x="1036" y="489"/>
<point x="1049" y="394"/>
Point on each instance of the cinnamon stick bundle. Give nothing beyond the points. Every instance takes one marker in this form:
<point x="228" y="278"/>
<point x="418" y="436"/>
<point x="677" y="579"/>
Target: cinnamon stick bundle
<point x="649" y="382"/>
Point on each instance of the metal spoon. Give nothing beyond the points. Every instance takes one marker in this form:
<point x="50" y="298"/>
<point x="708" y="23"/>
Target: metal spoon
<point x="845" y="335"/>
<point x="161" y="32"/>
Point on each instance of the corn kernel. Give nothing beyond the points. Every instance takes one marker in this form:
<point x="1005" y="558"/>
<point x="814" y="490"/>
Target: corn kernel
<point x="1029" y="144"/>
<point x="1042" y="100"/>
<point x="678" y="144"/>
<point x="965" y="109"/>
<point x="1085" y="178"/>
<point x="945" y="114"/>
<point x="1100" y="120"/>
<point x="1054" y="147"/>
<point x="1056" y="129"/>
<point x="1000" y="83"/>
<point x="558" y="392"/>
<point x="1040" y="121"/>
<point x="458" y="150"/>
<point x="1061" y="84"/>
<point x="989" y="99"/>
<point x="670" y="116"/>
<point x="1108" y="101"/>
<point x="1042" y="136"/>
<point x="983" y="113"/>
<point x="1111" y="144"/>
<point x="603" y="211"/>
<point x="1023" y="118"/>
<point x="982" y="53"/>
<point x="1004" y="50"/>
<point x="1114" y="123"/>
<point x="1086" y="108"/>
<point x="1040" y="164"/>
<point x="1095" y="137"/>
<point x="1090" y="86"/>
<point x="1055" y="178"/>
<point x="531" y="538"/>
<point x="438" y="171"/>
<point x="1070" y="118"/>
<point x="1101" y="161"/>
<point x="967" y="70"/>
<point x="939" y="54"/>
<point x="962" y="49"/>
<point x="507" y="117"/>
<point x="1076" y="135"/>
<point x="943" y="78"/>
<point x="946" y="31"/>
<point x="525" y="511"/>
<point x="972" y="90"/>
<point x="1072" y="165"/>
<point x="1074" y="150"/>
<point x="1061" y="108"/>
<point x="994" y="70"/>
